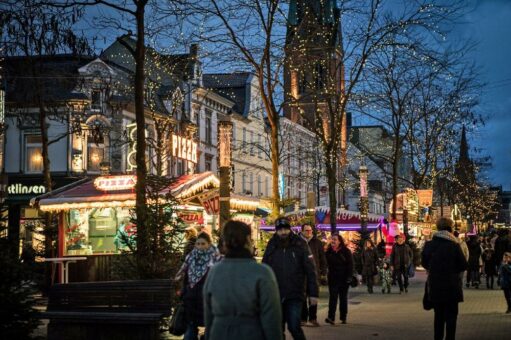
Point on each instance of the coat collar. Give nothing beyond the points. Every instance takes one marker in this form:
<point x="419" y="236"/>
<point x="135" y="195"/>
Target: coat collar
<point x="444" y="234"/>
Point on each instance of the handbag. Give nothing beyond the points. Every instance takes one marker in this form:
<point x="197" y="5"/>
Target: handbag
<point x="411" y="271"/>
<point x="177" y="324"/>
<point x="354" y="281"/>
<point x="427" y="304"/>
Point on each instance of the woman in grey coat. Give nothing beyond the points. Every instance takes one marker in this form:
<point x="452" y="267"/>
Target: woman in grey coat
<point x="241" y="297"/>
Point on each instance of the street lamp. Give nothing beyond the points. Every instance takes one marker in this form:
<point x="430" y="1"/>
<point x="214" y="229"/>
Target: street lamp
<point x="364" y="201"/>
<point x="225" y="153"/>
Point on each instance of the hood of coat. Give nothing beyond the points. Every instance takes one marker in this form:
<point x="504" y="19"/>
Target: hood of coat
<point x="444" y="234"/>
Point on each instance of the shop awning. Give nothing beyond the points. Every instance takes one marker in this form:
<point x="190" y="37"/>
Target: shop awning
<point x="115" y="192"/>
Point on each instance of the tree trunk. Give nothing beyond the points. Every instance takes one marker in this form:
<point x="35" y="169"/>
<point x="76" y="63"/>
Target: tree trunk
<point x="331" y="173"/>
<point x="275" y="166"/>
<point x="394" y="178"/>
<point x="140" y="208"/>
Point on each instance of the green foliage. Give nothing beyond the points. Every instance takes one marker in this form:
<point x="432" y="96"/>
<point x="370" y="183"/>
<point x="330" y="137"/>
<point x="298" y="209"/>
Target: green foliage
<point x="165" y="233"/>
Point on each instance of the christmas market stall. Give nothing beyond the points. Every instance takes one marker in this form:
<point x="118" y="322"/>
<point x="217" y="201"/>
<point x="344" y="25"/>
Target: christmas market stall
<point x="347" y="222"/>
<point x="92" y="213"/>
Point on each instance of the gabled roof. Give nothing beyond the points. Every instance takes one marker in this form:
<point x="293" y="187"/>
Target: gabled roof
<point x="234" y="86"/>
<point x="56" y="76"/>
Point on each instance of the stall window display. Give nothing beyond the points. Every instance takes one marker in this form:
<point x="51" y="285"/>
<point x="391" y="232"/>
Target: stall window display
<point x="96" y="231"/>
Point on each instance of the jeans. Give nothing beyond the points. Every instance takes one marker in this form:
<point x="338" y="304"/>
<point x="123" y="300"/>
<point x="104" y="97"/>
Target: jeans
<point x="507" y="295"/>
<point x="402" y="275"/>
<point x="369" y="279"/>
<point x="309" y="312"/>
<point x="291" y="313"/>
<point x="489" y="281"/>
<point x="445" y="319"/>
<point x="339" y="292"/>
<point x="473" y="276"/>
<point x="192" y="332"/>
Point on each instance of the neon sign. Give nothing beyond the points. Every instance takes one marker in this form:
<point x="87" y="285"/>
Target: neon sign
<point x="114" y="183"/>
<point x="184" y="148"/>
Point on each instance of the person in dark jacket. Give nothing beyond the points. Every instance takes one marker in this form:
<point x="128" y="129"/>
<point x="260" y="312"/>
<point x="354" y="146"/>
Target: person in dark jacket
<point x="241" y="296"/>
<point x="400" y="260"/>
<point x="474" y="261"/>
<point x="293" y="264"/>
<point x="490" y="268"/>
<point x="194" y="271"/>
<point x="340" y="272"/>
<point x="505" y="279"/>
<point x="501" y="245"/>
<point x="310" y="312"/>
<point x="369" y="258"/>
<point x="443" y="259"/>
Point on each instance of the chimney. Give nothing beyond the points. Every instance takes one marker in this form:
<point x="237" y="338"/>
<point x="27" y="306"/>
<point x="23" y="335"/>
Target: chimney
<point x="194" y="50"/>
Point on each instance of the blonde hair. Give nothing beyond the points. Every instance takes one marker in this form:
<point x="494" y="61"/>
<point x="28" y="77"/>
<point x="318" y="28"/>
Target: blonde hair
<point x="190" y="232"/>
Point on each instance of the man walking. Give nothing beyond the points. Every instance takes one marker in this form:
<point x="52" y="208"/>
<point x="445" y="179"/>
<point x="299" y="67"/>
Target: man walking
<point x="443" y="259"/>
<point x="310" y="311"/>
<point x="293" y="264"/>
<point x="400" y="260"/>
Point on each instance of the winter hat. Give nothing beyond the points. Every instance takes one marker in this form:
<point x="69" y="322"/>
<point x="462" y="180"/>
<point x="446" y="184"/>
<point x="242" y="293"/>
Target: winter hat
<point x="282" y="222"/>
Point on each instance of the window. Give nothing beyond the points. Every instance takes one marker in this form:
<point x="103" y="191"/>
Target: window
<point x="96" y="100"/>
<point x="259" y="186"/>
<point x="209" y="162"/>
<point x="198" y="124"/>
<point x="243" y="181"/>
<point x="97" y="231"/>
<point x="320" y="76"/>
<point x="259" y="146"/>
<point x="209" y="128"/>
<point x="244" y="141"/>
<point x="252" y="153"/>
<point x="33" y="153"/>
<point x="266" y="186"/>
<point x="95" y="150"/>
<point x="180" y="167"/>
<point x="233" y="143"/>
<point x="251" y="180"/>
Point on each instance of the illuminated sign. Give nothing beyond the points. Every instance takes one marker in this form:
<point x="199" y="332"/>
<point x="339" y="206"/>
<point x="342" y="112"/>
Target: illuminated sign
<point x="21" y="189"/>
<point x="191" y="217"/>
<point x="184" y="148"/>
<point x="113" y="183"/>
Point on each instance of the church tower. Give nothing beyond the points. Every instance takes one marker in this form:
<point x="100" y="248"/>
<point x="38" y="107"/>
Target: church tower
<point x="313" y="71"/>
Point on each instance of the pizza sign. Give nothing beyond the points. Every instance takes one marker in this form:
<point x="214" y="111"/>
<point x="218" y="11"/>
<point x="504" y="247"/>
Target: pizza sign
<point x="114" y="183"/>
<point x="191" y="217"/>
<point x="212" y="205"/>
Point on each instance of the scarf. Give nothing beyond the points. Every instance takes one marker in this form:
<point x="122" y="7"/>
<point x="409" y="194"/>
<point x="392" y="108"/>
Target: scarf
<point x="446" y="236"/>
<point x="198" y="262"/>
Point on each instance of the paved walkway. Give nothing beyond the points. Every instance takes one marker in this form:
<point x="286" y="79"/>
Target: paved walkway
<point x="394" y="316"/>
<point x="382" y="316"/>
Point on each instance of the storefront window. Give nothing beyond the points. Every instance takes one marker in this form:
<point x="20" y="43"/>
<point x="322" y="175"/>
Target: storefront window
<point x="33" y="153"/>
<point x="96" y="231"/>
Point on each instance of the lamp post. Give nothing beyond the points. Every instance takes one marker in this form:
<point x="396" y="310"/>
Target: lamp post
<point x="225" y="153"/>
<point x="364" y="202"/>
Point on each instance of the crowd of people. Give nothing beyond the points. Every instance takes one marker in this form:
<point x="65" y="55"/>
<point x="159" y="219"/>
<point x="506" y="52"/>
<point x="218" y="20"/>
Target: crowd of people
<point x="231" y="295"/>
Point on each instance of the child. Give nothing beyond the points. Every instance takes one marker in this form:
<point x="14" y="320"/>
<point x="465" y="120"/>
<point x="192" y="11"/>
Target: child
<point x="505" y="279"/>
<point x="385" y="277"/>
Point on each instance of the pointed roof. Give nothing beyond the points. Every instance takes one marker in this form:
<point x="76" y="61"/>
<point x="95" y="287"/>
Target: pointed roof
<point x="318" y="13"/>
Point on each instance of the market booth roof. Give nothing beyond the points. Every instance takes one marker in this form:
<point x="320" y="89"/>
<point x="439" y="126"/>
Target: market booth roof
<point x="118" y="191"/>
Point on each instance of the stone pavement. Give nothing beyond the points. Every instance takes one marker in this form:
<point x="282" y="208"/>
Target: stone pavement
<point x="383" y="316"/>
<point x="394" y="316"/>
